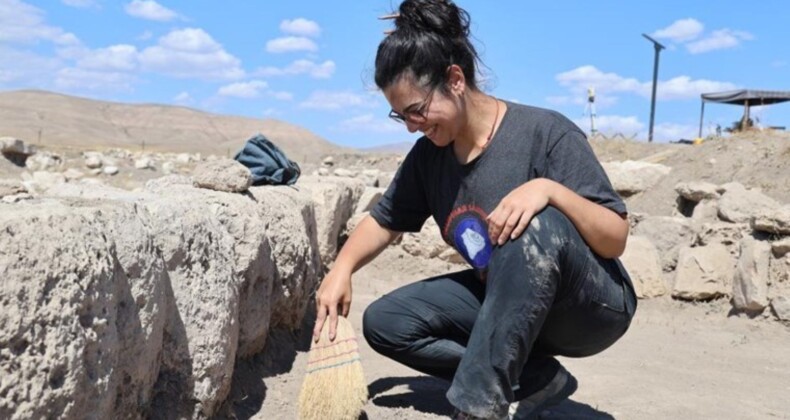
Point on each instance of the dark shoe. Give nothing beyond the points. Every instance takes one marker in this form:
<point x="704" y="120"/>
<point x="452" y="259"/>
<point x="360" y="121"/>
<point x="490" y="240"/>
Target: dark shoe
<point x="561" y="387"/>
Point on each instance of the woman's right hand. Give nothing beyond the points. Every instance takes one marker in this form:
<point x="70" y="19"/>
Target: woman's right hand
<point x="333" y="298"/>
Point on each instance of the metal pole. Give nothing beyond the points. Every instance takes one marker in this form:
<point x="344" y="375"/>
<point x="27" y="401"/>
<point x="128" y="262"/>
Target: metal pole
<point x="658" y="47"/>
<point x="746" y="113"/>
<point x="701" y="116"/>
<point x="591" y="104"/>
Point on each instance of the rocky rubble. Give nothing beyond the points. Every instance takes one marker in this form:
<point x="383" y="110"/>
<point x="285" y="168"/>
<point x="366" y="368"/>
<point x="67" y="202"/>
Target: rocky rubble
<point x="16" y="150"/>
<point x="119" y="303"/>
<point x="713" y="254"/>
<point x="117" y="167"/>
<point x="148" y="298"/>
<point x="132" y="302"/>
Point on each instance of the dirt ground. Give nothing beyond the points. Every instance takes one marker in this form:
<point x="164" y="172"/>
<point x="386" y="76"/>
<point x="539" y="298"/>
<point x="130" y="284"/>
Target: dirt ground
<point x="678" y="360"/>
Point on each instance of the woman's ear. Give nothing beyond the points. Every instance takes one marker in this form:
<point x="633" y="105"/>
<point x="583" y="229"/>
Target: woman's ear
<point x="456" y="81"/>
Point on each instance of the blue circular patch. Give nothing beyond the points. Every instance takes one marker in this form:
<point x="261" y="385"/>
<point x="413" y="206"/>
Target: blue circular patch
<point x="471" y="239"/>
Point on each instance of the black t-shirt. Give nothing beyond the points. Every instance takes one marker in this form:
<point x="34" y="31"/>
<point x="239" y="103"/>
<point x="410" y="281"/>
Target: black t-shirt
<point x="530" y="143"/>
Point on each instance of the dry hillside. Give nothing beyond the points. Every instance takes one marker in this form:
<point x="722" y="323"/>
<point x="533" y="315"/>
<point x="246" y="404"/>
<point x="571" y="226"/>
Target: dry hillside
<point x="54" y="120"/>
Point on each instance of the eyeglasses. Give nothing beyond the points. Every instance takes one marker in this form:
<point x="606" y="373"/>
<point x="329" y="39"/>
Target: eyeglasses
<point x="412" y="113"/>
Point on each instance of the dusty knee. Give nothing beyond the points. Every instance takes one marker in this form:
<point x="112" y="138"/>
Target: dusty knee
<point x="547" y="231"/>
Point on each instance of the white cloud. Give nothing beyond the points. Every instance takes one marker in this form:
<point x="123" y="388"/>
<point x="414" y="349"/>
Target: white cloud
<point x="251" y="89"/>
<point x="183" y="98"/>
<point x="7" y="76"/>
<point x="300" y="27"/>
<point x="22" y="68"/>
<point x="584" y="77"/>
<point x="290" y="44"/>
<point x="682" y="30"/>
<point x="324" y="70"/>
<point x="150" y="10"/>
<point x="672" y="132"/>
<point x="81" y="3"/>
<point x="191" y="53"/>
<point x="580" y="99"/>
<point x="72" y="52"/>
<point x="337" y="100"/>
<point x="23" y="23"/>
<point x="190" y="40"/>
<point x="81" y="79"/>
<point x="610" y="125"/>
<point x="718" y="40"/>
<point x="282" y="96"/>
<point x="145" y="36"/>
<point x="688" y="32"/>
<point x="681" y="87"/>
<point x="601" y="101"/>
<point x="114" y="58"/>
<point x="369" y="123"/>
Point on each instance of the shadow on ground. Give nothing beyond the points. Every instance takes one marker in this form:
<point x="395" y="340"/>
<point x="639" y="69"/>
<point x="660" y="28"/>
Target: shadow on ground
<point x="427" y="395"/>
<point x="248" y="386"/>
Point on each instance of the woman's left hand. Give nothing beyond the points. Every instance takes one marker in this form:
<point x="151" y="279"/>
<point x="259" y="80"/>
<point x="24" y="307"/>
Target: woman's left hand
<point x="514" y="212"/>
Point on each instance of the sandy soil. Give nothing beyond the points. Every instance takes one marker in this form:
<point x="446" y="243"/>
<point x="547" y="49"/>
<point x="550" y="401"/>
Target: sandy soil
<point x="678" y="360"/>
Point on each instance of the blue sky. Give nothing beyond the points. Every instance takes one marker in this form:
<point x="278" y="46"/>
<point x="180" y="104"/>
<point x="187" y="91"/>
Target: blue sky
<point x="310" y="63"/>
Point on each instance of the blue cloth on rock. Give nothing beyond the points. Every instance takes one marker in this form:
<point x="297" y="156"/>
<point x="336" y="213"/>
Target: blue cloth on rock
<point x="268" y="164"/>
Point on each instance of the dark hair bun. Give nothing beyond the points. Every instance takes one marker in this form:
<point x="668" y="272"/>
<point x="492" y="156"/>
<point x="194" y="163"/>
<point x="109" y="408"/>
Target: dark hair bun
<point x="429" y="36"/>
<point x="442" y="17"/>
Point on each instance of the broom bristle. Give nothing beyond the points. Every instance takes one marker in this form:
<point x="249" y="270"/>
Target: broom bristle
<point x="334" y="387"/>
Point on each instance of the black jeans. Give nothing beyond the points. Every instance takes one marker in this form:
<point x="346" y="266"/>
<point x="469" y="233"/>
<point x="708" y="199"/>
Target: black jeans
<point x="546" y="294"/>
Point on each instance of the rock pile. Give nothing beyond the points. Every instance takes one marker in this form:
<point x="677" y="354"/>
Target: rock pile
<point x="117" y="167"/>
<point x="117" y="303"/>
<point x="15" y="150"/>
<point x="372" y="171"/>
<point x="725" y="241"/>
<point x="121" y="303"/>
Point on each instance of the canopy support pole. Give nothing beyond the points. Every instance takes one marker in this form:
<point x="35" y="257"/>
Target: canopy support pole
<point x="746" y="116"/>
<point x="701" y="116"/>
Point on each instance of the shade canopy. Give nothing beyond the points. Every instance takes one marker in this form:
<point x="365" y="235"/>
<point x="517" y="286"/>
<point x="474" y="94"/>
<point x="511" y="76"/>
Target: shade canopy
<point x="748" y="97"/>
<point x="744" y="97"/>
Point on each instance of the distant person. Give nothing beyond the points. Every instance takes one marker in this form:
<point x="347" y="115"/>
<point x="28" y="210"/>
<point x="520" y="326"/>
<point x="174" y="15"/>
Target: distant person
<point x="519" y="193"/>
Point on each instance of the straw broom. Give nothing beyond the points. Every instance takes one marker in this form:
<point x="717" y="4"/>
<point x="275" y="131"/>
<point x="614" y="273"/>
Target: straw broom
<point x="334" y="387"/>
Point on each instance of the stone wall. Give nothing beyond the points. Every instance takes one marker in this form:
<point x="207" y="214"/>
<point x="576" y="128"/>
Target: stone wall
<point x="131" y="304"/>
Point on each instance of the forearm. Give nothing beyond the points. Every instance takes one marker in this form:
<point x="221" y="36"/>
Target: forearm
<point x="604" y="230"/>
<point x="366" y="241"/>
